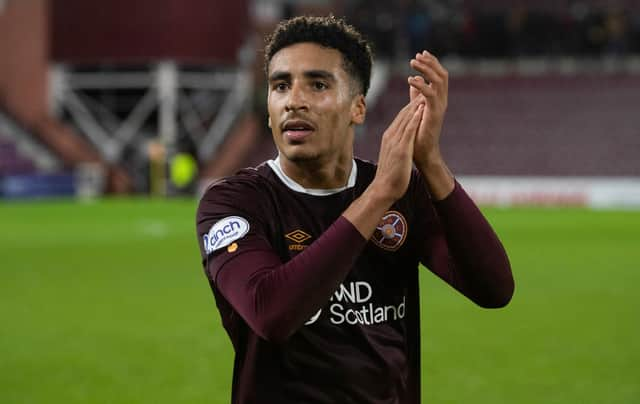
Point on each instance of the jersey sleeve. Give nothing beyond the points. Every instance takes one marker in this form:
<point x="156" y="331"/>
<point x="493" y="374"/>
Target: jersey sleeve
<point x="273" y="297"/>
<point x="227" y="221"/>
<point x="459" y="245"/>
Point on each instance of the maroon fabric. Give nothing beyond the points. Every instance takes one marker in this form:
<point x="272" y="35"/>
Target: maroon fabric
<point x="473" y="262"/>
<point x="318" y="315"/>
<point x="254" y="282"/>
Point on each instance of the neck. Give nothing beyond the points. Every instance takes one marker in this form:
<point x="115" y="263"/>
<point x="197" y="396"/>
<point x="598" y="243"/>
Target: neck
<point x="315" y="174"/>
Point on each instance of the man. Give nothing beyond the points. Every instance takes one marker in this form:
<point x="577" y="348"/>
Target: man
<point x="313" y="257"/>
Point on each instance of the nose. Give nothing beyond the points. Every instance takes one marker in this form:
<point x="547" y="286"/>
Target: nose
<point x="297" y="99"/>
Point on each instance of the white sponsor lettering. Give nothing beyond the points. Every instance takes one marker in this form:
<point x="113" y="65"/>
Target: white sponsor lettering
<point x="314" y="318"/>
<point x="224" y="232"/>
<point x="359" y="294"/>
<point x="368" y="314"/>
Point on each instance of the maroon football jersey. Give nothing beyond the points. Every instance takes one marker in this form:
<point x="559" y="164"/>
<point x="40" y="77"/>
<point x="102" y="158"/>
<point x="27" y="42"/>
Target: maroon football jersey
<point x="361" y="343"/>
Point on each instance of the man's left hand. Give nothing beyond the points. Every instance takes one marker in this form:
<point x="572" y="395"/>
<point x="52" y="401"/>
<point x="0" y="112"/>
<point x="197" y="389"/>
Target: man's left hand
<point x="433" y="85"/>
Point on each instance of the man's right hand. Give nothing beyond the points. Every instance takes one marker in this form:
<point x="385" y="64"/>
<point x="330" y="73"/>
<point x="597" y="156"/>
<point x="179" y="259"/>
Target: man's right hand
<point x="395" y="160"/>
<point x="395" y="163"/>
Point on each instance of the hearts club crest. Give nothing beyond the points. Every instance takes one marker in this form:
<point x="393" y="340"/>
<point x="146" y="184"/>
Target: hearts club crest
<point x="391" y="231"/>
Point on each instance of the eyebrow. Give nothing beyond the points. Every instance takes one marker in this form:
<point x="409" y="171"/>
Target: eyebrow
<point x="311" y="74"/>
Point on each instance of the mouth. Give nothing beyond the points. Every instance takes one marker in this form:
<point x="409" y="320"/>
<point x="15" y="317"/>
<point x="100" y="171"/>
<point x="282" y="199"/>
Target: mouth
<point x="296" y="130"/>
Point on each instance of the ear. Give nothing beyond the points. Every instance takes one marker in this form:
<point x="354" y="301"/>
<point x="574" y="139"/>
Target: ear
<point x="358" y="109"/>
<point x="269" y="121"/>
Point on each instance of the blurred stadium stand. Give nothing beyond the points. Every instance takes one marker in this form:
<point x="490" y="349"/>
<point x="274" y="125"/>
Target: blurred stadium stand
<point x="131" y="82"/>
<point x="500" y="28"/>
<point x="20" y="152"/>
<point x="544" y="124"/>
<point x="11" y="162"/>
<point x="538" y="89"/>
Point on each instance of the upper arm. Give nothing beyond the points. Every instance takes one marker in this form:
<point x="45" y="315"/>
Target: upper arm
<point x="228" y="225"/>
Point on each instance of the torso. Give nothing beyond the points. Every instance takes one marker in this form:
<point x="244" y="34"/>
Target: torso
<point x="362" y="346"/>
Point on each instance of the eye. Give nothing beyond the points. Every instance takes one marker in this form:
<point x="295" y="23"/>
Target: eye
<point x="281" y="86"/>
<point x="319" y="85"/>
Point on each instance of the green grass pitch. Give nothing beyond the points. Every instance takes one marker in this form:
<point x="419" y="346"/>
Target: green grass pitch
<point x="106" y="302"/>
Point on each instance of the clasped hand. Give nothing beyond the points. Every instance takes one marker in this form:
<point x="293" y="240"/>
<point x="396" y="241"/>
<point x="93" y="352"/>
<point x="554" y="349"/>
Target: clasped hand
<point x="414" y="134"/>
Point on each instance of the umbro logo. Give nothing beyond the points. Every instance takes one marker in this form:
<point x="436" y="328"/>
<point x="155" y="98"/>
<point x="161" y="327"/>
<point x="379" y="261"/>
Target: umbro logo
<point x="297" y="237"/>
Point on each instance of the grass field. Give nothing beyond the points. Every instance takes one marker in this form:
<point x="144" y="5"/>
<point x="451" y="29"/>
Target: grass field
<point x="106" y="302"/>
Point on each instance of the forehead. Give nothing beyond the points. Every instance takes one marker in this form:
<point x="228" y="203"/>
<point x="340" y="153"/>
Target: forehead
<point x="306" y="56"/>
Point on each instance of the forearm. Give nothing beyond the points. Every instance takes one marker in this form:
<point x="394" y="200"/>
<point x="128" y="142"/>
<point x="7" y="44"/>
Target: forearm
<point x="366" y="211"/>
<point x="436" y="175"/>
<point x="480" y="267"/>
<point x="275" y="299"/>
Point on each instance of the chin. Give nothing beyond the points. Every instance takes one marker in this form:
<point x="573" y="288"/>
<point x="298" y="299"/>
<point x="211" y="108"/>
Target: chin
<point x="302" y="157"/>
<point x="299" y="155"/>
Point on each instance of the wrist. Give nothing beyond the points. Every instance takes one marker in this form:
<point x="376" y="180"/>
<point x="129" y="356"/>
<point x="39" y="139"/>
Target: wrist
<point x="376" y="198"/>
<point x="437" y="176"/>
<point x="432" y="159"/>
<point x="366" y="211"/>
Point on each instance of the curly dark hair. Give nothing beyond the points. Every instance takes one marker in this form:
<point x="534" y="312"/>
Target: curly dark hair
<point x="330" y="32"/>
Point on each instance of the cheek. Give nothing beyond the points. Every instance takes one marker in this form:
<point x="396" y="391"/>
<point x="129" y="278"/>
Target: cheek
<point x="273" y="109"/>
<point x="271" y="104"/>
<point x="337" y="111"/>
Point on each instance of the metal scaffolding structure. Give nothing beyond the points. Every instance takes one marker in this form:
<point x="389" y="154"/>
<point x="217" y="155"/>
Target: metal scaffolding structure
<point x="172" y="103"/>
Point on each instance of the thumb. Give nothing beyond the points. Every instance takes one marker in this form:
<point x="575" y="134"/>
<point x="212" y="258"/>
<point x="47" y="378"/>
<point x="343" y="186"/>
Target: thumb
<point x="413" y="91"/>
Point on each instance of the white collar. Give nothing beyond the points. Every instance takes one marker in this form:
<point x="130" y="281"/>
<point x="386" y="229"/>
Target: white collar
<point x="275" y="166"/>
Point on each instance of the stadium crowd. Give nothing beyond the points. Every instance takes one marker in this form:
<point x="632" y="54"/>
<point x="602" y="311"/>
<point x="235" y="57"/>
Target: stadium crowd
<point x="499" y="29"/>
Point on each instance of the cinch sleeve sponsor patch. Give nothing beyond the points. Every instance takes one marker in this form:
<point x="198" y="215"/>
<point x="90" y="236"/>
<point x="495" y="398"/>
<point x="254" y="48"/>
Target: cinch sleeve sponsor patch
<point x="225" y="232"/>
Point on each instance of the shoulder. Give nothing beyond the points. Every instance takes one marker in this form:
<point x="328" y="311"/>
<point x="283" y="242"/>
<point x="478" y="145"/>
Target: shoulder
<point x="243" y="190"/>
<point x="244" y="182"/>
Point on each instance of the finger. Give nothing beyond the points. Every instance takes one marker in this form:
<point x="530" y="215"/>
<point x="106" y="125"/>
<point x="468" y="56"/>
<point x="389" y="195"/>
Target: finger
<point x="428" y="94"/>
<point x="409" y="134"/>
<point x="403" y="117"/>
<point x="429" y="65"/>
<point x="414" y="106"/>
<point x="419" y="86"/>
<point x="412" y="126"/>
<point x="413" y="91"/>
<point x="431" y="60"/>
<point x="429" y="72"/>
<point x="399" y="117"/>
